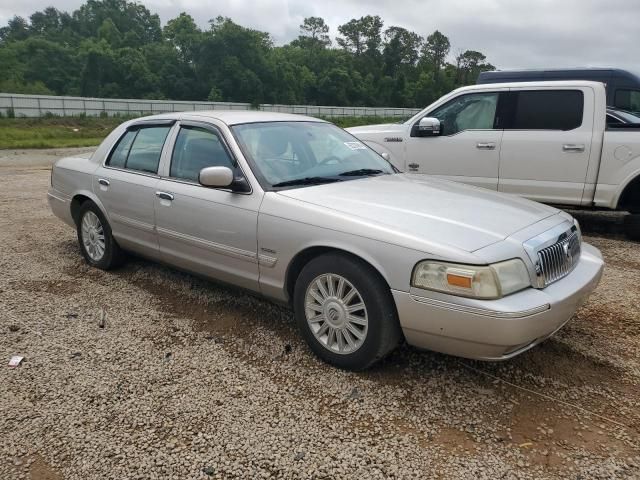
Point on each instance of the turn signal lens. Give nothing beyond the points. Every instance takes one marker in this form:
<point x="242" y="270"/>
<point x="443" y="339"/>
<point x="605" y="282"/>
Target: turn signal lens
<point x="479" y="281"/>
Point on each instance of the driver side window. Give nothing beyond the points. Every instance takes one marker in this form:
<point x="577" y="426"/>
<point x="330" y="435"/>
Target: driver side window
<point x="195" y="149"/>
<point x="475" y="111"/>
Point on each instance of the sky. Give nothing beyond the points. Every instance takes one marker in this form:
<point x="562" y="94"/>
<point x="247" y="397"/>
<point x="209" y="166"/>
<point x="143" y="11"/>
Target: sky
<point x="511" y="33"/>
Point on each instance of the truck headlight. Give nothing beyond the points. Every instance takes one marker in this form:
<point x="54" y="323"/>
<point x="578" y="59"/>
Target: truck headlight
<point x="488" y="282"/>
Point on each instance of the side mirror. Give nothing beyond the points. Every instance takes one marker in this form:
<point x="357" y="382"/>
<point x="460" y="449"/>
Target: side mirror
<point x="217" y="177"/>
<point x="386" y="156"/>
<point x="222" y="177"/>
<point x="428" y="127"/>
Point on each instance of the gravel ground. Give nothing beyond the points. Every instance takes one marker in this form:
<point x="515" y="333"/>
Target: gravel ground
<point x="189" y="379"/>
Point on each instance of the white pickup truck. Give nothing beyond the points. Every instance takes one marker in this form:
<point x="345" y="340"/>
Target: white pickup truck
<point x="547" y="141"/>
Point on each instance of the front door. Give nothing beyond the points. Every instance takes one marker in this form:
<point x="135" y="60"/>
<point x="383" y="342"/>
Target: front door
<point x="547" y="143"/>
<point x="126" y="186"/>
<point x="206" y="230"/>
<point x="468" y="149"/>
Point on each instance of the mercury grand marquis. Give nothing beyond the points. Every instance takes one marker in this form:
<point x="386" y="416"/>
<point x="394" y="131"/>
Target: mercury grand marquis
<point x="300" y="211"/>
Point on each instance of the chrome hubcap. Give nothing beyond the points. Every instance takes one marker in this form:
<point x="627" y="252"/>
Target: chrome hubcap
<point x="93" y="236"/>
<point x="336" y="313"/>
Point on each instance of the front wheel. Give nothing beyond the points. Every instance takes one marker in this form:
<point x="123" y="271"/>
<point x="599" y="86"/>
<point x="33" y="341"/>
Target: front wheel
<point x="97" y="245"/>
<point x="345" y="311"/>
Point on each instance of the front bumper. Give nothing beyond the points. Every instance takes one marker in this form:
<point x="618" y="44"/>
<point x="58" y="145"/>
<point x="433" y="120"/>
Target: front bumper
<point x="496" y="329"/>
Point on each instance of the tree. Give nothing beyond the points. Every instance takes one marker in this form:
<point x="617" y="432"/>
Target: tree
<point x="362" y="35"/>
<point x="436" y="49"/>
<point x="315" y="32"/>
<point x="183" y="33"/>
<point x="469" y="65"/>
<point x="117" y="48"/>
<point x="16" y="29"/>
<point x="401" y="47"/>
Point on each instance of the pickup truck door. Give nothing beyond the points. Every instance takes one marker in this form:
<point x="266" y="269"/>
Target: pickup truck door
<point x="206" y="230"/>
<point x="126" y="183"/>
<point x="547" y="143"/>
<point x="468" y="149"/>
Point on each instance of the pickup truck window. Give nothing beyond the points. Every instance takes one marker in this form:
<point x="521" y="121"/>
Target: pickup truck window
<point x="475" y="111"/>
<point x="627" y="99"/>
<point x="547" y="110"/>
<point x="139" y="149"/>
<point x="197" y="148"/>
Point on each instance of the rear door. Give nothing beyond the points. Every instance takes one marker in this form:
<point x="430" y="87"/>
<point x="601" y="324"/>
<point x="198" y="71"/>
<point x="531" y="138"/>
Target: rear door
<point x="547" y="143"/>
<point x="126" y="185"/>
<point x="468" y="150"/>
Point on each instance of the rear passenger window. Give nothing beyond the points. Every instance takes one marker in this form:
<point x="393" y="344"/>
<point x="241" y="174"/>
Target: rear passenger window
<point x="119" y="156"/>
<point x="140" y="149"/>
<point x="197" y="148"/>
<point x="627" y="100"/>
<point x="548" y="110"/>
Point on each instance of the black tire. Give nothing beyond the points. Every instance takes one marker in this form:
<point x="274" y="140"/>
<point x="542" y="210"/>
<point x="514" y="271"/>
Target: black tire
<point x="383" y="331"/>
<point x="632" y="226"/>
<point x="113" y="255"/>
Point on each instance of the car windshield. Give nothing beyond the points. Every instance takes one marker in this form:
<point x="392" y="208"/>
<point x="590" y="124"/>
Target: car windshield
<point x="626" y="117"/>
<point x="287" y="154"/>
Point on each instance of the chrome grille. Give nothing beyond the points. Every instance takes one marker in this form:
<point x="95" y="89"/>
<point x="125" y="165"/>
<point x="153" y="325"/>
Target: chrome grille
<point x="558" y="260"/>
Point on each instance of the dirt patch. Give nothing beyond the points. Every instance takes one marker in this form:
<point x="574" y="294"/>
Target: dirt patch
<point x="41" y="470"/>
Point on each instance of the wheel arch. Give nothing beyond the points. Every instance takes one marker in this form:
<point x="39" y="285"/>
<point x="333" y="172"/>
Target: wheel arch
<point x="629" y="198"/>
<point x="304" y="256"/>
<point x="80" y="198"/>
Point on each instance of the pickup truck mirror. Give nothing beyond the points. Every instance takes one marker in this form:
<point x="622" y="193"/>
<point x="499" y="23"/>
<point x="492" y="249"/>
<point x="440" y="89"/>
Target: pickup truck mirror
<point x="428" y="127"/>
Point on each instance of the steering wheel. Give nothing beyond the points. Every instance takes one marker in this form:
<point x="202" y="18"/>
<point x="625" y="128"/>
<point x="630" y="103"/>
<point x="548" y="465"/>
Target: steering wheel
<point x="330" y="159"/>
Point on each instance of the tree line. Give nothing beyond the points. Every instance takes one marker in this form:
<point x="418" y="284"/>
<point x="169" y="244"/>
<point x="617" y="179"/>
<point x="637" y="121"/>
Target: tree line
<point x="119" y="49"/>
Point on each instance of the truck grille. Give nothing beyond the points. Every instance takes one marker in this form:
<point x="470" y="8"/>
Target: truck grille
<point x="558" y="260"/>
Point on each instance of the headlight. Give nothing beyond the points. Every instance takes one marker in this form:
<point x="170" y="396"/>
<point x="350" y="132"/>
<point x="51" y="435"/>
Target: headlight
<point x="575" y="222"/>
<point x="491" y="281"/>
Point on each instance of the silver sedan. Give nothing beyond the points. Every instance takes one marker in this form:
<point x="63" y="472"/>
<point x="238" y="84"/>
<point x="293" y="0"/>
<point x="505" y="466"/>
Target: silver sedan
<point x="300" y="211"/>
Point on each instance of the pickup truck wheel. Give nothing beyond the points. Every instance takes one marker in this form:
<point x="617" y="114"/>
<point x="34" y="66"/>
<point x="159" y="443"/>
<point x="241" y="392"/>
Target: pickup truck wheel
<point x="632" y="226"/>
<point x="97" y="245"/>
<point x="345" y="311"/>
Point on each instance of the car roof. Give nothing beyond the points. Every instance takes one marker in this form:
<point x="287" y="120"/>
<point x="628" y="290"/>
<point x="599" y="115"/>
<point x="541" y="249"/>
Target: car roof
<point x="233" y="117"/>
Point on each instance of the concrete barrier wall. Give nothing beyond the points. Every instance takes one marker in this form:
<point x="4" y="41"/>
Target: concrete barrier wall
<point x="41" y="105"/>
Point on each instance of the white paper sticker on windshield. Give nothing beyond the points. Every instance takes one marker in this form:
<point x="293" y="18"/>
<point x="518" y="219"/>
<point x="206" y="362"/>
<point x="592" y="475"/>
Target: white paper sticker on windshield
<point x="355" y="145"/>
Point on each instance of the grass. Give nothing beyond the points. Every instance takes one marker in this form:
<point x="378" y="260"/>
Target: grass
<point x="54" y="132"/>
<point x="60" y="132"/>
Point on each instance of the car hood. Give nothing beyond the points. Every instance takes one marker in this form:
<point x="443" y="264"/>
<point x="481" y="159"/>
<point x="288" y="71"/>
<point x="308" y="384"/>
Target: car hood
<point x="424" y="208"/>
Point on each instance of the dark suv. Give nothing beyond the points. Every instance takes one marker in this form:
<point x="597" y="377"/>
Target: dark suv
<point x="623" y="87"/>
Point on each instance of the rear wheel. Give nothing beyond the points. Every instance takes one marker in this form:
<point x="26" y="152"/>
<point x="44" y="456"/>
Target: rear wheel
<point x="632" y="226"/>
<point x="345" y="311"/>
<point x="97" y="245"/>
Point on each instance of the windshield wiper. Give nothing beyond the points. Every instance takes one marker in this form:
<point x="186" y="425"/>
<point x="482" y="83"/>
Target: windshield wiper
<point x="361" y="171"/>
<point x="306" y="181"/>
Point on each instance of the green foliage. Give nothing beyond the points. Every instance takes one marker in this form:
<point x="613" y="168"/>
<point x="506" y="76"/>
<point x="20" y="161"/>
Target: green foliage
<point x="118" y="49"/>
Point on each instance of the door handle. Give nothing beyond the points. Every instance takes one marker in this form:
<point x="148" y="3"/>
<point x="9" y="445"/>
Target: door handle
<point x="571" y="147"/>
<point x="486" y="146"/>
<point x="413" y="166"/>
<point x="164" y="196"/>
<point x="103" y="181"/>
